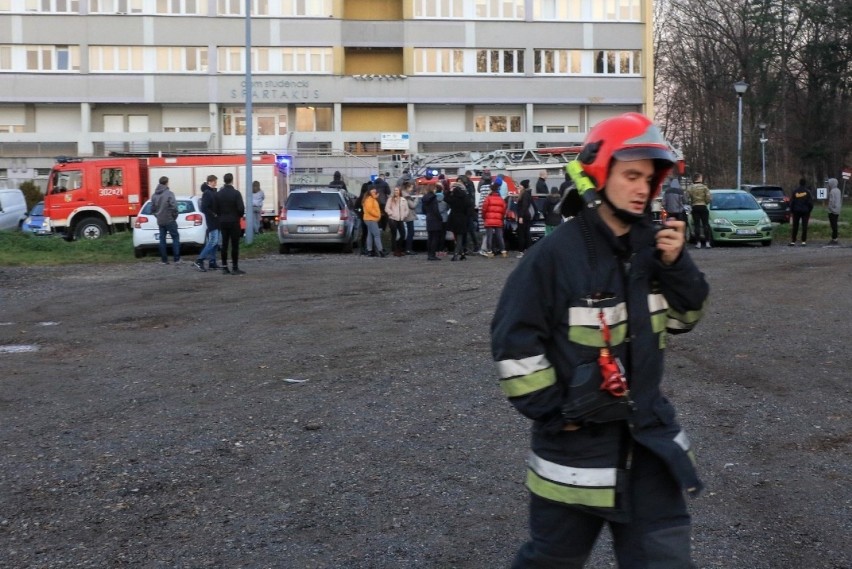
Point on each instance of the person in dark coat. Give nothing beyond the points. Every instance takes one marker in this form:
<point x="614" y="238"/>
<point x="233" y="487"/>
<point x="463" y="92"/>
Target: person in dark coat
<point x="211" y="216"/>
<point x="458" y="219"/>
<point x="337" y="181"/>
<point x="541" y="184"/>
<point x="231" y="209"/>
<point x="473" y="217"/>
<point x="552" y="217"/>
<point x="434" y="222"/>
<point x="801" y="205"/>
<point x="525" y="217"/>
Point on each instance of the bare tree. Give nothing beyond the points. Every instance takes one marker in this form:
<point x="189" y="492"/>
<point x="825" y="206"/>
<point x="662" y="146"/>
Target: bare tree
<point x="796" y="56"/>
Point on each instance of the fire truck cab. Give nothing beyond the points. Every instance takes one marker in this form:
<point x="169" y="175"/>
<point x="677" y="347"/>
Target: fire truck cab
<point x="85" y="198"/>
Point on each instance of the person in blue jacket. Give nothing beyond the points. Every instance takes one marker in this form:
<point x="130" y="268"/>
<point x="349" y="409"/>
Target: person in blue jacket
<point x="579" y="334"/>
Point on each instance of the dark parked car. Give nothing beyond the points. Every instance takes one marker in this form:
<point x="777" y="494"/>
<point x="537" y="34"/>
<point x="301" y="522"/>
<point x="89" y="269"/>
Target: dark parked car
<point x="773" y="201"/>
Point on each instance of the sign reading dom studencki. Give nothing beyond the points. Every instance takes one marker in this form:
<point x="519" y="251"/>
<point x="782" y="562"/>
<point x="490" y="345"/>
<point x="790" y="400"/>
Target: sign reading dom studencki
<point x="289" y="90"/>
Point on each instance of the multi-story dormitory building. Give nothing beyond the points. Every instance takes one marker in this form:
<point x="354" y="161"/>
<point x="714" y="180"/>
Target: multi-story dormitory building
<point x="85" y="77"/>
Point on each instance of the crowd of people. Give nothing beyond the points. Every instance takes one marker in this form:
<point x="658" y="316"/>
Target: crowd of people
<point x="454" y="207"/>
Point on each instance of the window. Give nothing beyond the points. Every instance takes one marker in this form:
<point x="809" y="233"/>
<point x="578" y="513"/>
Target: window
<point x="499" y="61"/>
<point x="559" y="10"/>
<point x="112" y="177"/>
<point x="181" y="7"/>
<point x="306" y="60"/>
<point x="116" y="59"/>
<point x="237" y="7"/>
<point x="618" y="62"/>
<point x="312" y="119"/>
<point x="67" y="181"/>
<point x="616" y="10"/>
<point x="53" y="6"/>
<point x="439" y="8"/>
<point x="181" y="59"/>
<point x="429" y="61"/>
<point x="586" y="62"/>
<point x="499" y="9"/>
<point x="277" y="60"/>
<point x="5" y="58"/>
<point x="439" y="61"/>
<point x="558" y="62"/>
<point x="51" y="58"/>
<point x="319" y="8"/>
<point x="497" y="123"/>
<point x="115" y="6"/>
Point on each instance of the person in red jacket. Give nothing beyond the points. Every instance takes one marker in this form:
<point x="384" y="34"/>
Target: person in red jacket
<point x="493" y="212"/>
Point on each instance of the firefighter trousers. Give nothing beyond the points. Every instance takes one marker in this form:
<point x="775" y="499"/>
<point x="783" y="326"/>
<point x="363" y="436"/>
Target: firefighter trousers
<point x="657" y="537"/>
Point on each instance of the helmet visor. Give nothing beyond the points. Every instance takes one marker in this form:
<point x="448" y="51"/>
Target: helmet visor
<point x="644" y="153"/>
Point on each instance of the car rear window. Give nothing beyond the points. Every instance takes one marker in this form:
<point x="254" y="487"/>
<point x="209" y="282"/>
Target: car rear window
<point x="313" y="201"/>
<point x="184" y="206"/>
<point x="768" y="192"/>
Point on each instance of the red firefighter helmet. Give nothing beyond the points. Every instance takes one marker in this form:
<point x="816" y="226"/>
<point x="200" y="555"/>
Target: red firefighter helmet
<point x="631" y="136"/>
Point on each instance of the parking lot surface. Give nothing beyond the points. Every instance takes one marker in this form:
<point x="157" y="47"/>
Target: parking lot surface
<point x="336" y="411"/>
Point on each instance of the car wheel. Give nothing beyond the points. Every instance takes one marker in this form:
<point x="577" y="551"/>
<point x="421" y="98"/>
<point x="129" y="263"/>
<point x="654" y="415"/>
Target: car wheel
<point x="138" y="252"/>
<point x="766" y="243"/>
<point x="90" y="228"/>
<point x="283" y="249"/>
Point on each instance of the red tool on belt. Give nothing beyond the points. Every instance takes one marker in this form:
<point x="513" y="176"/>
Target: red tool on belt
<point x="613" y="375"/>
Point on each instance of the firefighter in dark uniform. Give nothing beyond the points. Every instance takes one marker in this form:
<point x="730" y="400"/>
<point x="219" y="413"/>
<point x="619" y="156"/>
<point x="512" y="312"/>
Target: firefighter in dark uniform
<point x="578" y="336"/>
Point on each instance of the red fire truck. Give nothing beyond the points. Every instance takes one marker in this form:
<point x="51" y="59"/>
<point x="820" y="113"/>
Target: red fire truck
<point x="88" y="198"/>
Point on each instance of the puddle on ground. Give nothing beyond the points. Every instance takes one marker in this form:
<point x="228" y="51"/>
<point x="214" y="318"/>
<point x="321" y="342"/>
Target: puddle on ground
<point x="18" y="348"/>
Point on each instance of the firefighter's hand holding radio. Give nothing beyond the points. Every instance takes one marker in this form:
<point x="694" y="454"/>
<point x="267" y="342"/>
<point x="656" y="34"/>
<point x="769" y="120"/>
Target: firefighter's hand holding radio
<point x="671" y="240"/>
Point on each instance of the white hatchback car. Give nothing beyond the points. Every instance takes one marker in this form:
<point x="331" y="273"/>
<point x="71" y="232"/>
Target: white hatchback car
<point x="192" y="227"/>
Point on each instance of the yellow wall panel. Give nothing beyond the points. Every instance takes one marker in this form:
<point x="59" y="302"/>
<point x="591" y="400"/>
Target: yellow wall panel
<point x="373" y="61"/>
<point x="375" y="118"/>
<point x="372" y="10"/>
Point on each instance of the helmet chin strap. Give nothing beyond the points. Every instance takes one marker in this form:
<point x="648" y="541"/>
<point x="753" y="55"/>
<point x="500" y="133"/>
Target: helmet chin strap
<point x="622" y="215"/>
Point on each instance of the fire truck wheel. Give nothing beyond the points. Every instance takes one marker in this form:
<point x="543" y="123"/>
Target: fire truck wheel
<point x="90" y="228"/>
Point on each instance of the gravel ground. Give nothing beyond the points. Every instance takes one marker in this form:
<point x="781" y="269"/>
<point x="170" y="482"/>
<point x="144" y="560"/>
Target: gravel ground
<point x="328" y="411"/>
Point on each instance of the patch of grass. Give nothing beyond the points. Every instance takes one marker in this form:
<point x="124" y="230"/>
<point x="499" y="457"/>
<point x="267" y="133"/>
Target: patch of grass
<point x="818" y="227"/>
<point x="22" y="249"/>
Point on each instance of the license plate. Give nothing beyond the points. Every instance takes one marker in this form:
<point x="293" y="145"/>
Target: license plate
<point x="770" y="205"/>
<point x="746" y="231"/>
<point x="312" y="229"/>
<point x="420" y="235"/>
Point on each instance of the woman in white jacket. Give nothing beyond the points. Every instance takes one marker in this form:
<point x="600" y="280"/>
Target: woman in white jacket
<point x="397" y="210"/>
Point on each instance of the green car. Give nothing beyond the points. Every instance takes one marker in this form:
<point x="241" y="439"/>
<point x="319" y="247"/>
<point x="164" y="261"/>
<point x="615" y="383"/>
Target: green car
<point x="735" y="217"/>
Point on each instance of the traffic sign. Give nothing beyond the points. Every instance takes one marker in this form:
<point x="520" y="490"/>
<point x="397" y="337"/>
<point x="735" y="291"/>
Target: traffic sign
<point x="847" y="173"/>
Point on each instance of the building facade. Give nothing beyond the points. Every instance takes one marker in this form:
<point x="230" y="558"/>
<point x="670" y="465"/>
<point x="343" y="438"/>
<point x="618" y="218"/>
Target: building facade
<point x="86" y="77"/>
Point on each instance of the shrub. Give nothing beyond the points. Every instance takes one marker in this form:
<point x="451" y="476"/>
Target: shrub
<point x="32" y="193"/>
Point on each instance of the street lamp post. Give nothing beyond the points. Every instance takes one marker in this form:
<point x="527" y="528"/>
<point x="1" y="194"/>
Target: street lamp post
<point x="740" y="87"/>
<point x="763" y="141"/>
